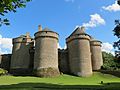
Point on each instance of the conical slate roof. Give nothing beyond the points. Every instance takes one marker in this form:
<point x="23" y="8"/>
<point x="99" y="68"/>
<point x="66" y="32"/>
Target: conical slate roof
<point x="95" y="40"/>
<point x="46" y="29"/>
<point x="78" y="30"/>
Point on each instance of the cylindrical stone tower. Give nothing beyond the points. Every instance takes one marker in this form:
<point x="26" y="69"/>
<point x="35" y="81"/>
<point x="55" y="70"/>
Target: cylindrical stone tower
<point x="20" y="55"/>
<point x="96" y="52"/>
<point x="46" y="53"/>
<point x="78" y="44"/>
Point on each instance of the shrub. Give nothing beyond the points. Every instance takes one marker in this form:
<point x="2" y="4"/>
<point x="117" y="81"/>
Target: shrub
<point x="3" y="72"/>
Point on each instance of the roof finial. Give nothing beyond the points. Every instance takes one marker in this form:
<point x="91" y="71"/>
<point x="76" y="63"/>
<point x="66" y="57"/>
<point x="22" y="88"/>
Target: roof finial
<point x="39" y="28"/>
<point x="82" y="28"/>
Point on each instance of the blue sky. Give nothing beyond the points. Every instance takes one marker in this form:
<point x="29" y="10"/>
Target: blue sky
<point x="62" y="16"/>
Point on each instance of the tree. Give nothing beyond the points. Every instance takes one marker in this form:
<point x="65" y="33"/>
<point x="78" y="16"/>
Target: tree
<point x="7" y="6"/>
<point x="108" y="61"/>
<point x="117" y="33"/>
<point x="119" y="2"/>
<point x="117" y="43"/>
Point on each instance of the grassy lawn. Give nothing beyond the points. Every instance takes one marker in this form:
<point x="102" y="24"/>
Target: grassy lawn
<point x="64" y="82"/>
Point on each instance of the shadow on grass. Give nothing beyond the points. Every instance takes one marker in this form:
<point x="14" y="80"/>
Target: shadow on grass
<point x="115" y="73"/>
<point x="47" y="86"/>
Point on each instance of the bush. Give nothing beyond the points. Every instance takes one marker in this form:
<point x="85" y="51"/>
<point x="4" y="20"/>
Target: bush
<point x="3" y="72"/>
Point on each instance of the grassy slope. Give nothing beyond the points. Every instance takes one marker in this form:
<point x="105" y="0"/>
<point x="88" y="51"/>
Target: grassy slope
<point x="61" y="80"/>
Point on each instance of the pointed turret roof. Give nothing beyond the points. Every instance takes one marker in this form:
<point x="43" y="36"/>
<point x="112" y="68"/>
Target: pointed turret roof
<point x="78" y="30"/>
<point x="46" y="29"/>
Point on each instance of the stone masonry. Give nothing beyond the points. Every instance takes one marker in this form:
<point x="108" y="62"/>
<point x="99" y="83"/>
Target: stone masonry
<point x="41" y="57"/>
<point x="46" y="53"/>
<point x="78" y="44"/>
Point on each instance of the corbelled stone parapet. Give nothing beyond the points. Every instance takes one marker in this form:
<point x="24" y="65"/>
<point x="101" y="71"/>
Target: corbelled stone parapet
<point x="95" y="43"/>
<point x="21" y="40"/>
<point x="44" y="33"/>
<point x="78" y="36"/>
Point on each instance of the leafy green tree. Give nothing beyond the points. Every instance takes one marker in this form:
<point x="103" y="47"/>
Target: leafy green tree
<point x="7" y="6"/>
<point x="108" y="61"/>
<point x="117" y="43"/>
<point x="119" y="2"/>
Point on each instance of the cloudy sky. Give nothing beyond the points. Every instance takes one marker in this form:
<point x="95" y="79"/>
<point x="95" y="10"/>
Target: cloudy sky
<point x="63" y="16"/>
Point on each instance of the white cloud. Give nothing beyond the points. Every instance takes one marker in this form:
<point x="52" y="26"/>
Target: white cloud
<point x="5" y="45"/>
<point x="0" y="36"/>
<point x="95" y="20"/>
<point x="65" y="47"/>
<point x="59" y="46"/>
<point x="114" y="7"/>
<point x="107" y="47"/>
<point x="69" y="1"/>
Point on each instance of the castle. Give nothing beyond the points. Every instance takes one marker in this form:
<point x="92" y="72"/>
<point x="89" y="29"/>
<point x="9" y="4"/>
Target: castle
<point x="41" y="57"/>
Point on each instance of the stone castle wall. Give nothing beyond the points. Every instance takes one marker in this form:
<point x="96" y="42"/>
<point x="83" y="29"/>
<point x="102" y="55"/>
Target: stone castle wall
<point x="5" y="61"/>
<point x="20" y="59"/>
<point x="63" y="61"/>
<point x="83" y="54"/>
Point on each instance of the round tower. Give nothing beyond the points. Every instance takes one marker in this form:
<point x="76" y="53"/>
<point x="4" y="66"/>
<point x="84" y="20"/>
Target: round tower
<point x="20" y="55"/>
<point x="46" y="53"/>
<point x="78" y="44"/>
<point x="96" y="52"/>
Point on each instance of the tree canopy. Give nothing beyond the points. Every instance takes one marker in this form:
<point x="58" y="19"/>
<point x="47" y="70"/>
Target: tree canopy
<point x="108" y="61"/>
<point x="117" y="34"/>
<point x="119" y="2"/>
<point x="7" y="6"/>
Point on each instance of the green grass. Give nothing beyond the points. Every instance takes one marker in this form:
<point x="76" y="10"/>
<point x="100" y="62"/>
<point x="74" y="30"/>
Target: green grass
<point x="65" y="82"/>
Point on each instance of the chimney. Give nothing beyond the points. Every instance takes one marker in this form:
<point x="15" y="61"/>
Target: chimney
<point x="39" y="28"/>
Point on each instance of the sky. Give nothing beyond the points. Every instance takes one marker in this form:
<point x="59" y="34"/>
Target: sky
<point x="63" y="16"/>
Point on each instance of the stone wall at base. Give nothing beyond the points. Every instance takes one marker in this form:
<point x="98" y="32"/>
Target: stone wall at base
<point x="5" y="61"/>
<point x="63" y="61"/>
